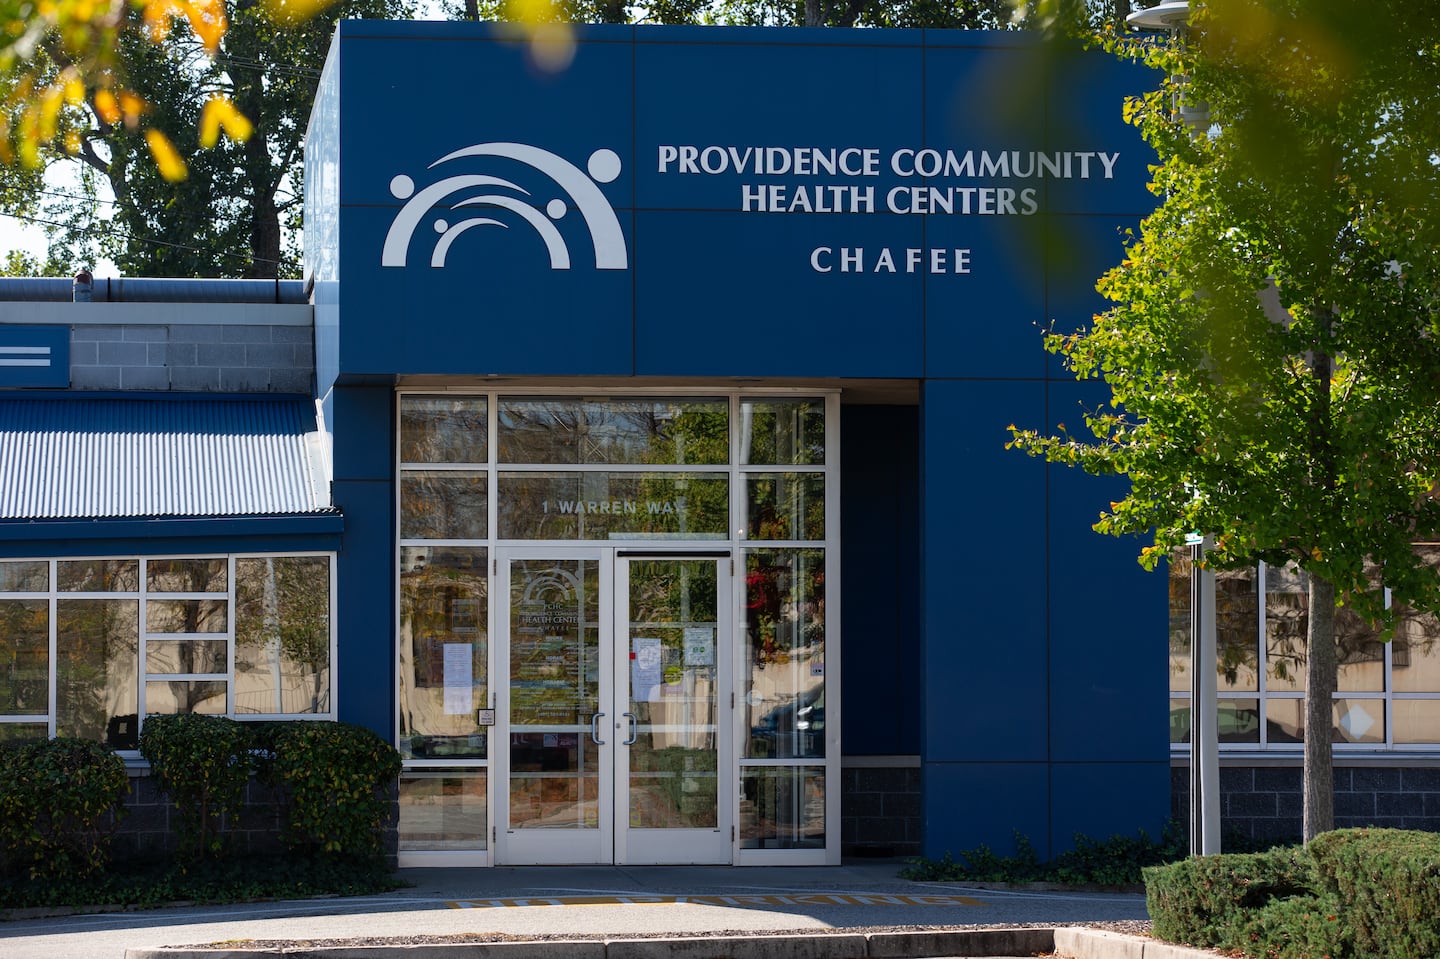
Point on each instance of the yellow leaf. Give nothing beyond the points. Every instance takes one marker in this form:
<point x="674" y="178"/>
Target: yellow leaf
<point x="167" y="158"/>
<point x="220" y="114"/>
<point x="132" y="106"/>
<point x="106" y="108"/>
<point x="291" y="12"/>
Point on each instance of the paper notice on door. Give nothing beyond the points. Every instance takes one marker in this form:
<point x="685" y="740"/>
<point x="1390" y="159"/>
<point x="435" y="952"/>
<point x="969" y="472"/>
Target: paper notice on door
<point x="645" y="667"/>
<point x="699" y="646"/>
<point x="459" y="678"/>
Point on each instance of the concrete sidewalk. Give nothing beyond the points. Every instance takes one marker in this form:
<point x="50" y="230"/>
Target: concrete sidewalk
<point x="855" y="911"/>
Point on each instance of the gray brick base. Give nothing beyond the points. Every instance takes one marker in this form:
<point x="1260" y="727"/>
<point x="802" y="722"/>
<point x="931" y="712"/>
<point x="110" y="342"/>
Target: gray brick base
<point x="1264" y="802"/>
<point x="880" y="811"/>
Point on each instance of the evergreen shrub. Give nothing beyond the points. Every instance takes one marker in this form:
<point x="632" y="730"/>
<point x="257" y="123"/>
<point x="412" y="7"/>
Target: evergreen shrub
<point x="202" y="763"/>
<point x="1389" y="881"/>
<point x="1204" y="901"/>
<point x="338" y="780"/>
<point x="60" y="800"/>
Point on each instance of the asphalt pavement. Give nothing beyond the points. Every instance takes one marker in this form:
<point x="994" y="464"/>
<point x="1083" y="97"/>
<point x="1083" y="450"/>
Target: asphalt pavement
<point x="698" y="912"/>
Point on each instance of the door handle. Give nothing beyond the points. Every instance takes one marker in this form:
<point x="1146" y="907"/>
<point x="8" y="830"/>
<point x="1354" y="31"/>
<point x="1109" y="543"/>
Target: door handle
<point x="595" y="729"/>
<point x="633" y="733"/>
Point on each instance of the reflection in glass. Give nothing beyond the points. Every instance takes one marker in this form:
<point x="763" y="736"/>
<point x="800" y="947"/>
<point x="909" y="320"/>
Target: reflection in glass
<point x="185" y="615"/>
<point x="581" y="506"/>
<point x="784" y="689"/>
<point x="1359" y="721"/>
<point x="23" y="732"/>
<point x="443" y="505"/>
<point x="1415" y="654"/>
<point x="186" y="575"/>
<point x="1285" y="720"/>
<point x="785" y="506"/>
<point x="782" y="807"/>
<point x="185" y="656"/>
<point x="282" y="635"/>
<point x="1237" y="626"/>
<point x="24" y="657"/>
<point x="576" y="431"/>
<point x="185" y="696"/>
<point x="554" y="694"/>
<point x="27" y="576"/>
<point x="444" y="652"/>
<point x="444" y="429"/>
<point x="443" y="810"/>
<point x="1285" y="623"/>
<point x="674" y="617"/>
<point x="782" y="432"/>
<point x="98" y="576"/>
<point x="96" y="670"/>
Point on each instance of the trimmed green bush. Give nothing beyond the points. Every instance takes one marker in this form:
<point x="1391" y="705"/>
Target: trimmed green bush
<point x="1305" y="927"/>
<point x="1116" y="861"/>
<point x="202" y="763"/>
<point x="1389" y="881"/>
<point x="1204" y="901"/>
<point x="59" y="802"/>
<point x="338" y="779"/>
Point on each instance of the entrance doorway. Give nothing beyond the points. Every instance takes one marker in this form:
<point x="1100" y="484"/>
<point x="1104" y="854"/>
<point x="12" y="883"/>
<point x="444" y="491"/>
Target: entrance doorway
<point x="615" y="706"/>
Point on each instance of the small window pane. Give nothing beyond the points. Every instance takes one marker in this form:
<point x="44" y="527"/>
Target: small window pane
<point x="659" y="432"/>
<point x="185" y="656"/>
<point x="444" y="429"/>
<point x="185" y="616"/>
<point x="15" y="733"/>
<point x="186" y="575"/>
<point x="786" y="506"/>
<point x="25" y="577"/>
<point x="96" y="670"/>
<point x="185" y="696"/>
<point x="1285" y="625"/>
<point x="782" y="432"/>
<point x="1359" y="721"/>
<point x="1415" y="657"/>
<point x="782" y="807"/>
<point x="1285" y="720"/>
<point x="443" y="810"/>
<point x="1239" y="720"/>
<point x="785" y="651"/>
<point x="98" y="576"/>
<point x="443" y="505"/>
<point x="1237" y="627"/>
<point x="589" y="506"/>
<point x="24" y="657"/>
<point x="1360" y="653"/>
<point x="1417" y="721"/>
<point x="282" y="635"/>
<point x="444" y="604"/>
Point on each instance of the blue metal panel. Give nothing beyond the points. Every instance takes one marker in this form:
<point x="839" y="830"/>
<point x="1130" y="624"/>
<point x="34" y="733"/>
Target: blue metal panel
<point x="34" y="356"/>
<point x="983" y="523"/>
<point x="971" y="804"/>
<point x="1078" y="251"/>
<point x="1100" y="800"/>
<point x="73" y="457"/>
<point x="123" y="537"/>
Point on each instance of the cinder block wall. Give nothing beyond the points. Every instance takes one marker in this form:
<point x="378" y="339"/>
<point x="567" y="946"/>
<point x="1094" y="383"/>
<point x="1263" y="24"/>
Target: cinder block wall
<point x="880" y="811"/>
<point x="194" y="358"/>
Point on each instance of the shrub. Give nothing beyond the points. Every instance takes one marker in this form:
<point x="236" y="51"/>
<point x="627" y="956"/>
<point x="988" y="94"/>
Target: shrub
<point x="59" y="802"/>
<point x="1304" y="927"/>
<point x="1116" y="861"/>
<point x="202" y="764"/>
<point x="1203" y="901"/>
<point x="1389" y="880"/>
<point x="338" y="779"/>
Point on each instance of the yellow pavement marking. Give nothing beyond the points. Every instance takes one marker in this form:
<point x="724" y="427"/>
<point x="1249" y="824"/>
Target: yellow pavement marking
<point x="801" y="899"/>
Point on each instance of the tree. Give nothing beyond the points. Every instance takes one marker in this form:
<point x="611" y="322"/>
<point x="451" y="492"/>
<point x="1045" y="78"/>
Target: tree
<point x="1273" y="352"/>
<point x="236" y="211"/>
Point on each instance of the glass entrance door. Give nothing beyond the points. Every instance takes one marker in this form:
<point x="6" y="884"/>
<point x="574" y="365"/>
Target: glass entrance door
<point x="613" y="744"/>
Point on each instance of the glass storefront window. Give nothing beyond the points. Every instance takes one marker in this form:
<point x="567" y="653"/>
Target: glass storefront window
<point x="24" y="576"/>
<point x="185" y="696"/>
<point x="184" y="657"/>
<point x="782" y="807"/>
<point x="1417" y="721"/>
<point x="186" y="615"/>
<point x="576" y="431"/>
<point x="24" y="657"/>
<point x="97" y="670"/>
<point x="98" y="576"/>
<point x="443" y="810"/>
<point x="444" y="652"/>
<point x="282" y="635"/>
<point x="785" y="506"/>
<point x="444" y="429"/>
<point x="187" y="575"/>
<point x="592" y="505"/>
<point x="784" y="684"/>
<point x="781" y="432"/>
<point x="437" y="504"/>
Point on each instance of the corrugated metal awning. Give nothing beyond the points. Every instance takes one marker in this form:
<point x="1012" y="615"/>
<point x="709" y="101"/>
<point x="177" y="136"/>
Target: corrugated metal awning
<point x="72" y="457"/>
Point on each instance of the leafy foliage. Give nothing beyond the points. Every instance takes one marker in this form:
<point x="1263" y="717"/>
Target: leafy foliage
<point x="59" y="802"/>
<point x="1117" y="861"/>
<point x="339" y="779"/>
<point x="202" y="763"/>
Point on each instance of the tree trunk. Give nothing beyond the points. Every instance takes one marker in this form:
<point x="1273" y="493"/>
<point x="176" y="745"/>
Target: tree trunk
<point x="1320" y="682"/>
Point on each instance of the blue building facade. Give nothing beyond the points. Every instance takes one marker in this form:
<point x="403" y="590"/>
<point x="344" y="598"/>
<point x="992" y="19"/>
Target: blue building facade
<point x="635" y="309"/>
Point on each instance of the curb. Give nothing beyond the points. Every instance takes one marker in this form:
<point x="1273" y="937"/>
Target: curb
<point x="1069" y="943"/>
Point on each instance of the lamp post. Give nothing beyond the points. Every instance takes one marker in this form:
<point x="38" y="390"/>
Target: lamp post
<point x="1173" y="17"/>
